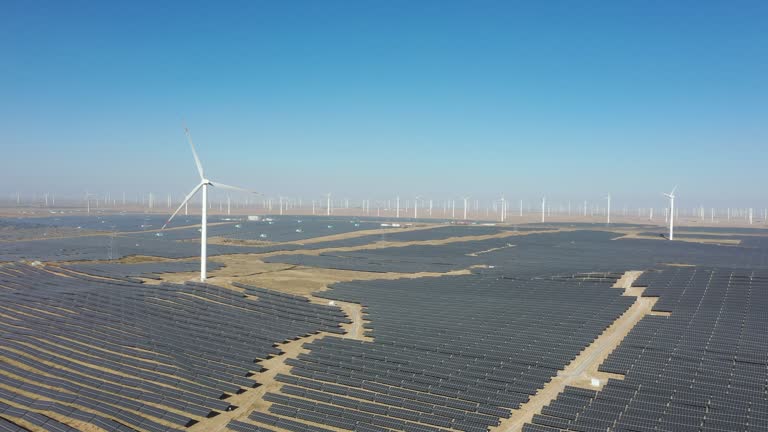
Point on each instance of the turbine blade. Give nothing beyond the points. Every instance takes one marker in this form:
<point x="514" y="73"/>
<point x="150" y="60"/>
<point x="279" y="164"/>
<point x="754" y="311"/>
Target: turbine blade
<point x="188" y="197"/>
<point x="673" y="190"/>
<point x="234" y="188"/>
<point x="194" y="153"/>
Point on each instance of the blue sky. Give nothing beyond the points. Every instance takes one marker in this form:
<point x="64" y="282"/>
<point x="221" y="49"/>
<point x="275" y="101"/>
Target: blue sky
<point x="372" y="98"/>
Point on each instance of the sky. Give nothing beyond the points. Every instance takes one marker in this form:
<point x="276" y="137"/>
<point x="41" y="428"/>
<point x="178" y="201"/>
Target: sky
<point x="567" y="99"/>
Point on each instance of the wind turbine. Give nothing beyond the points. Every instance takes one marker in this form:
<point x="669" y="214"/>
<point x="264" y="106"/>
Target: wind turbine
<point x="465" y="207"/>
<point x="671" y="197"/>
<point x="204" y="184"/>
<point x="503" y="212"/>
<point x="88" y="202"/>
<point x="608" y="210"/>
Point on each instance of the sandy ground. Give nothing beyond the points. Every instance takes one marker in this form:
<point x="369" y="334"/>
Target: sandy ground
<point x="581" y="370"/>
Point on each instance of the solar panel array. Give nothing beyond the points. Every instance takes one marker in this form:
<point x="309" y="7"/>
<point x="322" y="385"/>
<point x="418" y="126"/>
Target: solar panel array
<point x="87" y="342"/>
<point x="536" y="254"/>
<point x="702" y="368"/>
<point x="452" y="352"/>
<point x="132" y="271"/>
<point x="17" y="230"/>
<point x="122" y="355"/>
<point x="727" y="230"/>
<point x="137" y="235"/>
<point x="287" y="229"/>
<point x="407" y="259"/>
<point x="755" y="242"/>
<point x="106" y="222"/>
<point x="105" y="247"/>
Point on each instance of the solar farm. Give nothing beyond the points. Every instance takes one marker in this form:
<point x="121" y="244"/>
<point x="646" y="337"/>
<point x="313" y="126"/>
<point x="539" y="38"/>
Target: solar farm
<point x="311" y="323"/>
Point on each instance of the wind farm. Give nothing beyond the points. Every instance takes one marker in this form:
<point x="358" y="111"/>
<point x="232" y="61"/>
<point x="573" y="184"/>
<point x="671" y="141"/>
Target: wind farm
<point x="496" y="217"/>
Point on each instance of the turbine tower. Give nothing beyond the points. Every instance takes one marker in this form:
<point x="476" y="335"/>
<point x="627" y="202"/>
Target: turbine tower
<point x="204" y="184"/>
<point x="608" y="210"/>
<point x="671" y="197"/>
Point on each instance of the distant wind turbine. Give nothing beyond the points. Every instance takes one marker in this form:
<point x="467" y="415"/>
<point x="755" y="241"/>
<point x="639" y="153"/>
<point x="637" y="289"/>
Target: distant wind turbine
<point x="204" y="184"/>
<point x="671" y="197"/>
<point x="88" y="202"/>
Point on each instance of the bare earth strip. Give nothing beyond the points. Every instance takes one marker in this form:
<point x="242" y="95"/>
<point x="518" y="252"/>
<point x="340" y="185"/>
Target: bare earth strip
<point x="582" y="369"/>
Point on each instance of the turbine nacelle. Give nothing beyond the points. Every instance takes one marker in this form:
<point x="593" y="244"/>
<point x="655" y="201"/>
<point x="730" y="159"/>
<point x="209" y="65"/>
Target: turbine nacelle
<point x="671" y="195"/>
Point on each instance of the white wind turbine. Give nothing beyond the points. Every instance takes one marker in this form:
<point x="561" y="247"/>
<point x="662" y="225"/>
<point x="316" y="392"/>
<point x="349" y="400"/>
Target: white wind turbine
<point x="671" y="197"/>
<point x="204" y="184"/>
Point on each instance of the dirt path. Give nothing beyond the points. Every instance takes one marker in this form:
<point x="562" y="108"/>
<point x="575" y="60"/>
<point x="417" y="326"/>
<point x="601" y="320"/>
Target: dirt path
<point x="355" y="330"/>
<point x="581" y="370"/>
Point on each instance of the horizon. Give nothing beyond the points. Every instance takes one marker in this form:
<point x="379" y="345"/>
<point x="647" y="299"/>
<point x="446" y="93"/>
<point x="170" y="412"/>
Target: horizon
<point x="515" y="212"/>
